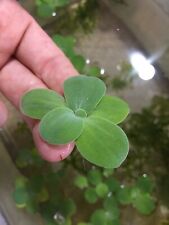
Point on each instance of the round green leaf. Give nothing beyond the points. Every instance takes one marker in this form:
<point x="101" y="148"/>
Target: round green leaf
<point x="124" y="195"/>
<point x="45" y="10"/>
<point x="90" y="195"/>
<point x="102" y="217"/>
<point x="112" y="184"/>
<point x="94" y="177"/>
<point x="81" y="182"/>
<point x="135" y="192"/>
<point x="78" y="61"/>
<point x="92" y="71"/>
<point x="83" y="92"/>
<point x="112" y="108"/>
<point x="110" y="204"/>
<point x="21" y="196"/>
<point x="99" y="217"/>
<point x="38" y="102"/>
<point x="60" y="126"/>
<point x="145" y="184"/>
<point x="102" y="190"/>
<point x="66" y="43"/>
<point x="144" y="203"/>
<point x="103" y="143"/>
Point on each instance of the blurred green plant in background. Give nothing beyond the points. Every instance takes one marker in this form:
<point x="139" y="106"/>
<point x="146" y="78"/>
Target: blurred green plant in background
<point x="80" y="14"/>
<point x="124" y="78"/>
<point x="149" y="139"/>
<point x="68" y="195"/>
<point x="67" y="44"/>
<point x="119" y="81"/>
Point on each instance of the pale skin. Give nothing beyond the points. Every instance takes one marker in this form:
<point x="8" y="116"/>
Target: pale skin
<point x="29" y="59"/>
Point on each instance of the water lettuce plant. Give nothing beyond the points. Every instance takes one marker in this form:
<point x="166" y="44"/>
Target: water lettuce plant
<point x="84" y="115"/>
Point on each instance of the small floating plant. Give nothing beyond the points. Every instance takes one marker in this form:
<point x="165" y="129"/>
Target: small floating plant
<point x="84" y="115"/>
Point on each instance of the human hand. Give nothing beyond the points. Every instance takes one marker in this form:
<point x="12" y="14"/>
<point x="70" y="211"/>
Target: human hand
<point x="28" y="60"/>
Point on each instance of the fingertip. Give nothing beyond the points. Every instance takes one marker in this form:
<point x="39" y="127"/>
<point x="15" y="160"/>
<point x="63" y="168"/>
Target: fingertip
<point x="3" y="114"/>
<point x="48" y="152"/>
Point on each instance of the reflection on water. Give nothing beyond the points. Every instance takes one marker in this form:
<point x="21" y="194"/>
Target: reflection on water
<point x="142" y="66"/>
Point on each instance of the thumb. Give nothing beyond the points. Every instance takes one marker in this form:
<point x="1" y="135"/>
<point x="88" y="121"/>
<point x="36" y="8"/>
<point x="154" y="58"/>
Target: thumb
<point x="3" y="114"/>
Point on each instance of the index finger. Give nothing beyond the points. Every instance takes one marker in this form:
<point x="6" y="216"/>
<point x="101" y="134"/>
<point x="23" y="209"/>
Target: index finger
<point x="22" y="36"/>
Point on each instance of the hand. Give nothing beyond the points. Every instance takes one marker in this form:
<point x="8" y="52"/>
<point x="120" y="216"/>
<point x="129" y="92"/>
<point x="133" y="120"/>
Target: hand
<point x="29" y="59"/>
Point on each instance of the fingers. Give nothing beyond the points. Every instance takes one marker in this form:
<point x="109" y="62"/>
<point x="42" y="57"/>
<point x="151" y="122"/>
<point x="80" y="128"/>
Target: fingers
<point x="13" y="23"/>
<point x="3" y="114"/>
<point x="22" y="36"/>
<point x="49" y="152"/>
<point x="38" y="52"/>
<point x="15" y="80"/>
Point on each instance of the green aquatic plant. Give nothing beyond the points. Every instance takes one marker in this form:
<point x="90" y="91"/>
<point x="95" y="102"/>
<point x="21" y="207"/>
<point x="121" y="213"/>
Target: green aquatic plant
<point x="103" y="194"/>
<point x="80" y="16"/>
<point x="153" y="123"/>
<point x="107" y="190"/>
<point x="68" y="44"/>
<point x="45" y="8"/>
<point x="84" y="116"/>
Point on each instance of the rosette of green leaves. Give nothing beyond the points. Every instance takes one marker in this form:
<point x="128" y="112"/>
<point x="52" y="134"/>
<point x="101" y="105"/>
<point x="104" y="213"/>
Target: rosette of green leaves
<point x="84" y="116"/>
